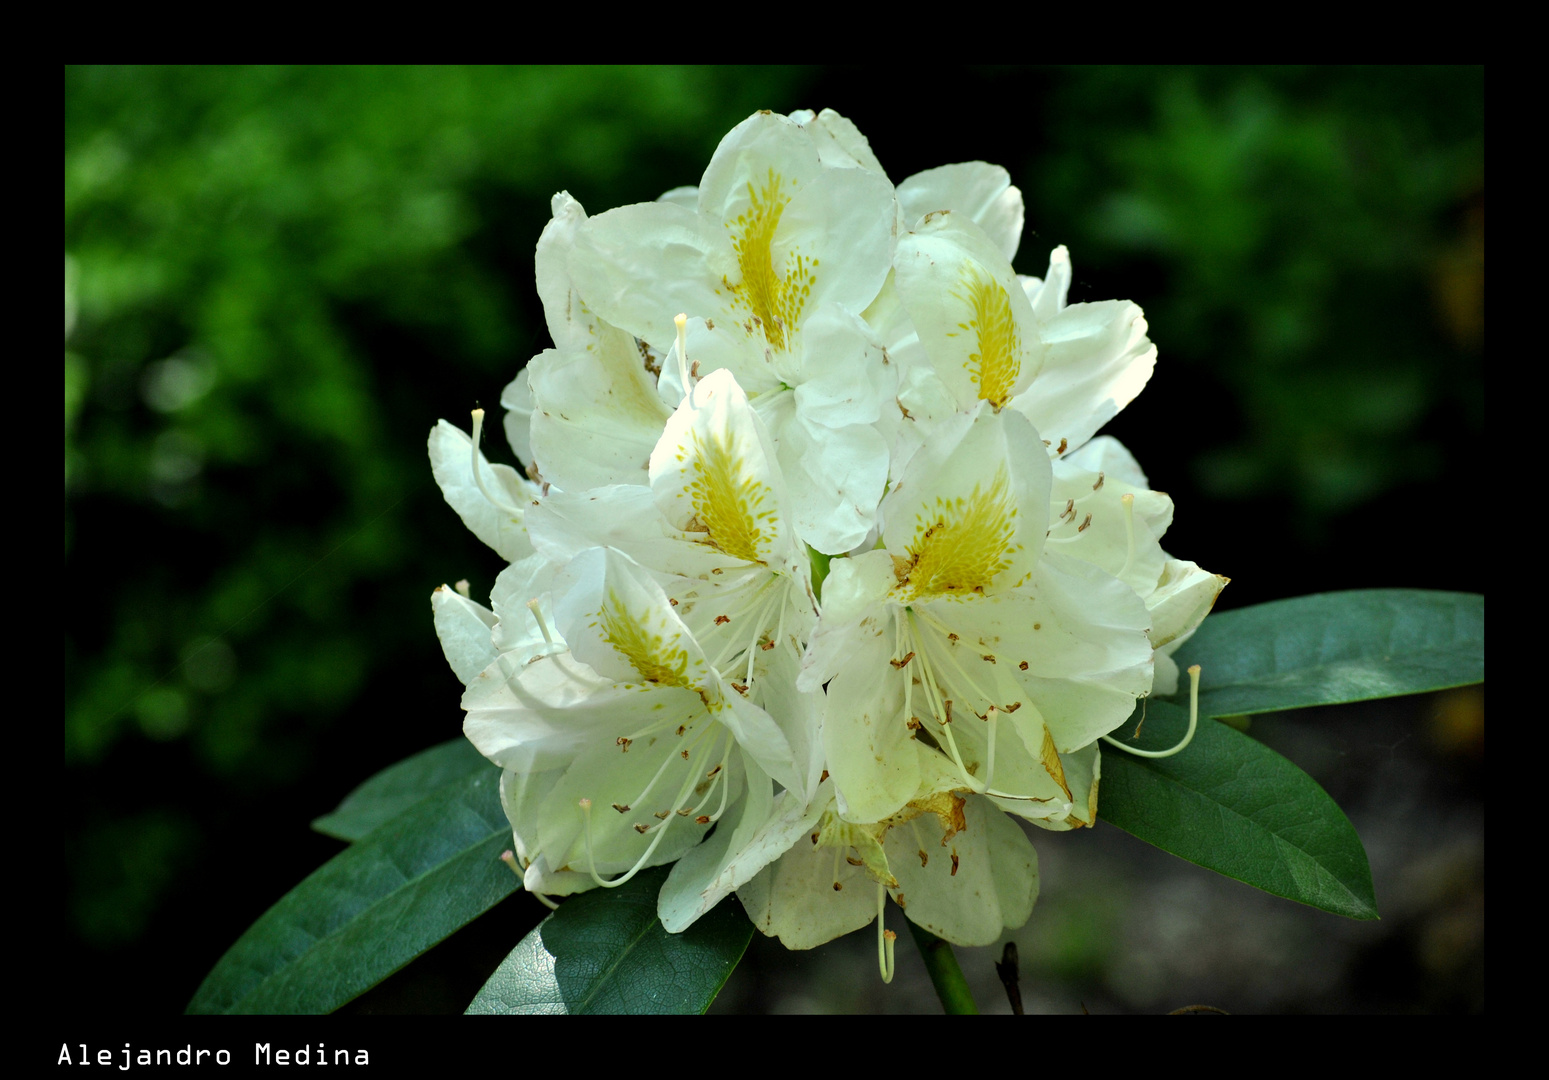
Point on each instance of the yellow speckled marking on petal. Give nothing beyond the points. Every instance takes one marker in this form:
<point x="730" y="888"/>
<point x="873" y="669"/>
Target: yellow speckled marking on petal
<point x="773" y="295"/>
<point x="729" y="503"/>
<point x="998" y="362"/>
<point x="961" y="547"/>
<point x="652" y="656"/>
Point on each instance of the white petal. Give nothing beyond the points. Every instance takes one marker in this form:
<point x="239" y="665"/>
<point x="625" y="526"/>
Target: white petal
<point x="840" y="143"/>
<point x="713" y="473"/>
<point x="1096" y="359"/>
<point x="975" y="884"/>
<point x="451" y="460"/>
<point x="1184" y="596"/>
<point x="866" y="737"/>
<point x="973" y="318"/>
<point x="516" y="399"/>
<point x="978" y="190"/>
<point x="794" y="897"/>
<point x="464" y="629"/>
<point x="762" y="830"/>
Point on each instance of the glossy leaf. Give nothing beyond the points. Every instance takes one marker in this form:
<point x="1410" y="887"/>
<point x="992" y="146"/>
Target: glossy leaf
<point x="398" y="787"/>
<point x="1232" y="805"/>
<point x="605" y="951"/>
<point x="372" y="908"/>
<point x="1336" y="647"/>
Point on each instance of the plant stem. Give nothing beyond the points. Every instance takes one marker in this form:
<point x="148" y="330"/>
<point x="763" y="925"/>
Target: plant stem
<point x="945" y="975"/>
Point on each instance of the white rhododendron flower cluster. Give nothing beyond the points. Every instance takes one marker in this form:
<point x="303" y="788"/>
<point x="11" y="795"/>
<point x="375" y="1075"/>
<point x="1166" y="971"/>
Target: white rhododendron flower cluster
<point x="820" y="575"/>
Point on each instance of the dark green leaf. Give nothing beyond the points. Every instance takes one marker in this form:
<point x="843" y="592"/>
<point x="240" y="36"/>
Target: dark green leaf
<point x="372" y="908"/>
<point x="1336" y="647"/>
<point x="605" y="951"/>
<point x="1236" y="807"/>
<point x="398" y="787"/>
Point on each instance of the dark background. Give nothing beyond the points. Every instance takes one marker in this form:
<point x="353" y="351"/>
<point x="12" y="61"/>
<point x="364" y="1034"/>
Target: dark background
<point x="277" y="280"/>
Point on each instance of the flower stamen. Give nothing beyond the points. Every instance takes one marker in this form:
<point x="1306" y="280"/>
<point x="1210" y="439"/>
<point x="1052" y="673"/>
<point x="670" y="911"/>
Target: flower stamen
<point x="498" y="504"/>
<point x="1193" y="723"/>
<point x="885" y="938"/>
<point x="1128" y="500"/>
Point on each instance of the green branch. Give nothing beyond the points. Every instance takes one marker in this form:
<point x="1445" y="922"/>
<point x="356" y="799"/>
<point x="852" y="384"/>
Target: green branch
<point x="945" y="975"/>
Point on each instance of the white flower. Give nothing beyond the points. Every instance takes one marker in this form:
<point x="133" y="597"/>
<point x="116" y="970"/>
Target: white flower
<point x="786" y="372"/>
<point x="983" y="334"/>
<point x="589" y="405"/>
<point x="963" y="630"/>
<point x="625" y="749"/>
<point x="774" y="265"/>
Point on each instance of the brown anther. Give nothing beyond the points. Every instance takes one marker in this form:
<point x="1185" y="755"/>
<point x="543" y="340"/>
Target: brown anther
<point x="853" y="861"/>
<point x="685" y="812"/>
<point x="715" y="570"/>
<point x="952" y="637"/>
<point x="1061" y="450"/>
<point x="640" y="828"/>
<point x="722" y="620"/>
<point x="766" y="646"/>
<point x="663" y="815"/>
<point x="673" y="601"/>
<point x="924" y="858"/>
<point x="1015" y="705"/>
<point x="1099" y="483"/>
<point x="712" y="772"/>
<point x="684" y="753"/>
<point x="693" y="372"/>
<point x="823" y="777"/>
<point x="623" y="742"/>
<point x="1084" y="524"/>
<point x="1037" y="626"/>
<point x="1023" y="665"/>
<point x="621" y="808"/>
<point x="913" y="723"/>
<point x="947" y="705"/>
<point x="954" y="862"/>
<point x="709" y="324"/>
<point x="898" y="664"/>
<point x="682" y="728"/>
<point x="703" y="819"/>
<point x="1070" y="510"/>
<point x="838" y="887"/>
<point x="988" y="658"/>
<point x="741" y="688"/>
<point x="814" y="839"/>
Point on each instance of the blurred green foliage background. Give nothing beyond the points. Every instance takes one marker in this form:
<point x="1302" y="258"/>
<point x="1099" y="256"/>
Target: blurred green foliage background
<point x="278" y="279"/>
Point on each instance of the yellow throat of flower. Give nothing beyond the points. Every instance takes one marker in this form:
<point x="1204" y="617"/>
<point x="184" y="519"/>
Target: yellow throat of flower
<point x="657" y="660"/>
<point x="773" y="295"/>
<point x="729" y="504"/>
<point x="961" y="546"/>
<point x="998" y="361"/>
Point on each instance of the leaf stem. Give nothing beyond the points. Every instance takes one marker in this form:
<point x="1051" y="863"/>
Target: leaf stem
<point x="945" y="975"/>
